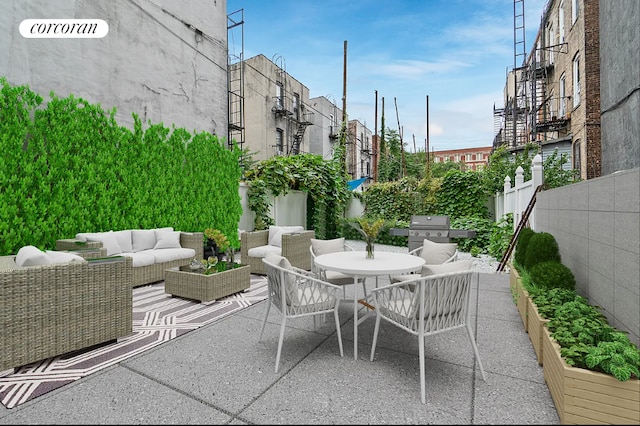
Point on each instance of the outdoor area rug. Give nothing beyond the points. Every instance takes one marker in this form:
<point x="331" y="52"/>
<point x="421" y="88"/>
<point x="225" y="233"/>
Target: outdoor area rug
<point x="157" y="318"/>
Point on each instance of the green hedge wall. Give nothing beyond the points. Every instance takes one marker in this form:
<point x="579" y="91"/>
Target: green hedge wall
<point x="68" y="167"/>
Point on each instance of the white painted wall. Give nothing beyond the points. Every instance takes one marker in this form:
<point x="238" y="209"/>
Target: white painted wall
<point x="153" y="61"/>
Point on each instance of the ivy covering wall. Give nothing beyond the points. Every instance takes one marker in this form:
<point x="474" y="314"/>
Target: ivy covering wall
<point x="68" y="167"/>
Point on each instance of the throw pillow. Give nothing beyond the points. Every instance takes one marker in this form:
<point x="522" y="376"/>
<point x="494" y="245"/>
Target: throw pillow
<point x="64" y="257"/>
<point x="437" y="253"/>
<point x="327" y="246"/>
<point x="167" y="239"/>
<point x="275" y="233"/>
<point x="143" y="239"/>
<point x="108" y="240"/>
<point x="32" y="256"/>
<point x="459" y="265"/>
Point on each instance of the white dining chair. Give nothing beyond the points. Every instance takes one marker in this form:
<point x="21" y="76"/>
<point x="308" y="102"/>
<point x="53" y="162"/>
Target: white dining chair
<point x="319" y="247"/>
<point x="297" y="293"/>
<point x="425" y="306"/>
<point x="433" y="254"/>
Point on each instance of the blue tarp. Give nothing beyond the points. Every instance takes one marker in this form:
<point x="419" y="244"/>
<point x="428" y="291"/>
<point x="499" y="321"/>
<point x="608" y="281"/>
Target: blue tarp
<point x="353" y="184"/>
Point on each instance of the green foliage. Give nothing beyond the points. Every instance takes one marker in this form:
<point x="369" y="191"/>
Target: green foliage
<point x="542" y="247"/>
<point x="552" y="274"/>
<point x="547" y="300"/>
<point x="484" y="228"/>
<point x="461" y="194"/>
<point x="348" y="229"/>
<point x="501" y="234"/>
<point x="554" y="173"/>
<point x="587" y="341"/>
<point x="324" y="181"/>
<point x="501" y="163"/>
<point x="438" y="170"/>
<point x="521" y="245"/>
<point x="68" y="167"/>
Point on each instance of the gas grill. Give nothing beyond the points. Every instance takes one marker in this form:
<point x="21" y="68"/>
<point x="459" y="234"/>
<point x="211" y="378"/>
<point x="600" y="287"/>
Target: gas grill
<point x="434" y="228"/>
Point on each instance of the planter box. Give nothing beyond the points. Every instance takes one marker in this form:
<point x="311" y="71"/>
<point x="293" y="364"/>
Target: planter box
<point x="519" y="293"/>
<point x="522" y="303"/>
<point x="535" y="328"/>
<point x="587" y="397"/>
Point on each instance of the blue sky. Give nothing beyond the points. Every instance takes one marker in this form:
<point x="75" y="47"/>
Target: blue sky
<point x="456" y="52"/>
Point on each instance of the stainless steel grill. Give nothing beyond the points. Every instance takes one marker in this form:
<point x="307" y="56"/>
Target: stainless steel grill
<point x="434" y="228"/>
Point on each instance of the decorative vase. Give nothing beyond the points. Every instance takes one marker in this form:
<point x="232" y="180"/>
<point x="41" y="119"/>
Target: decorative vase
<point x="369" y="249"/>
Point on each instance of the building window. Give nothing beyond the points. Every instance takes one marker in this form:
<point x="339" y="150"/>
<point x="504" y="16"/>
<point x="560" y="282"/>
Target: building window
<point x="296" y="106"/>
<point x="574" y="11"/>
<point x="576" y="156"/>
<point x="551" y="42"/>
<point x="279" y="96"/>
<point x="279" y="142"/>
<point x="576" y="80"/>
<point x="562" y="111"/>
<point x="561" y="21"/>
<point x="468" y="157"/>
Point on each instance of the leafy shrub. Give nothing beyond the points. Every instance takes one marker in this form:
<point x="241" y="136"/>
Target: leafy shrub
<point x="548" y="300"/>
<point x="552" y="274"/>
<point x="501" y="234"/>
<point x="542" y="247"/>
<point x="483" y="227"/>
<point x="587" y="341"/>
<point x="521" y="244"/>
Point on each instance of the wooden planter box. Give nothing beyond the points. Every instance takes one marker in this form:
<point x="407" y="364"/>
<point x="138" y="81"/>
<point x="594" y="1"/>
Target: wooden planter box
<point x="522" y="304"/>
<point x="520" y="294"/>
<point x="535" y="328"/>
<point x="587" y="397"/>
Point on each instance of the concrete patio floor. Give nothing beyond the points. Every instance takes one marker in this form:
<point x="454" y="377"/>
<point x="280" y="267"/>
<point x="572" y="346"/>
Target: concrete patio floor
<point x="221" y="374"/>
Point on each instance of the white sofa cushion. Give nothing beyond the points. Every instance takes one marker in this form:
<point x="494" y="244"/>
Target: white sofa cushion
<point x="261" y="251"/>
<point x="143" y="239"/>
<point x="32" y="256"/>
<point x="169" y="254"/>
<point x="124" y="240"/>
<point x="167" y="239"/>
<point x="290" y="285"/>
<point x="437" y="253"/>
<point x="455" y="266"/>
<point x="64" y="257"/>
<point x="275" y="233"/>
<point x="82" y="236"/>
<point x="108" y="240"/>
<point x="141" y="258"/>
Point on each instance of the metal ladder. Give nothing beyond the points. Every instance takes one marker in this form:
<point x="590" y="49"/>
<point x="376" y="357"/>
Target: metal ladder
<point x="524" y="221"/>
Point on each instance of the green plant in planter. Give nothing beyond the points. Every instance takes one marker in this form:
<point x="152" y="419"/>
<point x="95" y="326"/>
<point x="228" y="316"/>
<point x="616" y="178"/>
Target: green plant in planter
<point x="587" y="341"/>
<point x="548" y="300"/>
<point x="521" y="245"/>
<point x="552" y="274"/>
<point x="542" y="246"/>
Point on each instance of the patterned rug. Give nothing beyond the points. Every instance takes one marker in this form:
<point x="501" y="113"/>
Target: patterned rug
<point x="157" y="318"/>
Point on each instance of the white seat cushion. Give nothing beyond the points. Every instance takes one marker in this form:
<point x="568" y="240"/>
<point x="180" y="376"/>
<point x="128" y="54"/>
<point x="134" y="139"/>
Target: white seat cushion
<point x="459" y="265"/>
<point x="141" y="258"/>
<point x="261" y="251"/>
<point x="32" y="256"/>
<point x="169" y="254"/>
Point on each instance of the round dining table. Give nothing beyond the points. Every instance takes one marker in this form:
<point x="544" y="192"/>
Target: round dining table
<point x="357" y="265"/>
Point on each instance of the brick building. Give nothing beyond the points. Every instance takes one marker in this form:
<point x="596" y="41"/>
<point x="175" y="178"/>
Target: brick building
<point x="473" y="158"/>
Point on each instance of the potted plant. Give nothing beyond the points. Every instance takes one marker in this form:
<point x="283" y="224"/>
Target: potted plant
<point x="214" y="242"/>
<point x="369" y="231"/>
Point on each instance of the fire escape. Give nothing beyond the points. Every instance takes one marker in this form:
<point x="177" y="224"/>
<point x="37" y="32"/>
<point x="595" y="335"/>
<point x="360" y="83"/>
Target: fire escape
<point x="235" y="80"/>
<point x="290" y="108"/>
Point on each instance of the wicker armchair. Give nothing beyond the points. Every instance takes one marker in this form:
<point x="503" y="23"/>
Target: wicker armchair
<point x="295" y="247"/>
<point x="53" y="309"/>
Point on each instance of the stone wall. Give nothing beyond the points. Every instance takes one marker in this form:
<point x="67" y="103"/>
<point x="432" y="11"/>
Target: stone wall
<point x="597" y="226"/>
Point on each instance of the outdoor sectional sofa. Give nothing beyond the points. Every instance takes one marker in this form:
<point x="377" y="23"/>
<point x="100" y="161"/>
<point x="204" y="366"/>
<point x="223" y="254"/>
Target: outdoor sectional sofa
<point x="152" y="250"/>
<point x="48" y="310"/>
